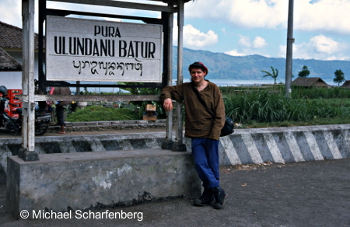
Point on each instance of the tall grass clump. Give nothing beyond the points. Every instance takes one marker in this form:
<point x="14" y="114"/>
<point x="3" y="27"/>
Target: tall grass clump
<point x="268" y="106"/>
<point x="319" y="92"/>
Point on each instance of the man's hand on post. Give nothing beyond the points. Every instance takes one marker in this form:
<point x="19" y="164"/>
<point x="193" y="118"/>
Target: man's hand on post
<point x="168" y="104"/>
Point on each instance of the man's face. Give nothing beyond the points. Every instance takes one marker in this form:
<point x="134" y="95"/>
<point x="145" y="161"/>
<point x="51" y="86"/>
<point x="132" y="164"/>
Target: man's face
<point x="197" y="75"/>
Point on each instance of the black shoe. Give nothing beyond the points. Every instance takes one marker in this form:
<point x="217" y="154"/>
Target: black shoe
<point x="206" y="198"/>
<point x="220" y="196"/>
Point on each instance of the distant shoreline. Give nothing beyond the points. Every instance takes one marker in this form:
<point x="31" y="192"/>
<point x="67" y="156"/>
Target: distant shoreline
<point x="219" y="82"/>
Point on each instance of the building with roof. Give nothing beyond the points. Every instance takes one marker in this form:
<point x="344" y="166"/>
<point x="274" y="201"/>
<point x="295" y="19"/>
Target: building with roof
<point x="309" y="82"/>
<point x="346" y="84"/>
<point x="11" y="56"/>
<point x="8" y="63"/>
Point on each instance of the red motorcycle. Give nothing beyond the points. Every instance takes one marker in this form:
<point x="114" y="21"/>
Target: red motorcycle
<point x="11" y="124"/>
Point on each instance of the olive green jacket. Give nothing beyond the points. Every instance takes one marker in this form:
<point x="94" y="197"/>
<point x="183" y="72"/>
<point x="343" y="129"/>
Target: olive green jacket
<point x="199" y="122"/>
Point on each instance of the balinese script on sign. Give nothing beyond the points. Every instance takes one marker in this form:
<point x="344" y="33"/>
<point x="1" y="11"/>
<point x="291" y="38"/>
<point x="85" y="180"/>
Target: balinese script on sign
<point x="92" y="50"/>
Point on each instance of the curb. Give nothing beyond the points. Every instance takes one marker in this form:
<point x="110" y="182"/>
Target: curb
<point x="285" y="144"/>
<point x="109" y="125"/>
<point x="245" y="146"/>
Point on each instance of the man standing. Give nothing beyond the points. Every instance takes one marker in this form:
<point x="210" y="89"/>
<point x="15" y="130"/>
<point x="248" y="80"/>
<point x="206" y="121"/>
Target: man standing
<point x="61" y="106"/>
<point x="202" y="128"/>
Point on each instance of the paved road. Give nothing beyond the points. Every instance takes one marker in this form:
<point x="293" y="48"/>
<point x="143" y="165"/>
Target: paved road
<point x="295" y="194"/>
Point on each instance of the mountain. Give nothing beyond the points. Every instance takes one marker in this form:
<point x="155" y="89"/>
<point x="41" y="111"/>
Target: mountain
<point x="224" y="66"/>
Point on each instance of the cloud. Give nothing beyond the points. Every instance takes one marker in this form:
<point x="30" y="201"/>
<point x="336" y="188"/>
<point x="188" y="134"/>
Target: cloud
<point x="11" y="11"/>
<point x="244" y="41"/>
<point x="195" y="39"/>
<point x="246" y="51"/>
<point x="241" y="13"/>
<point x="321" y="15"/>
<point x="11" y="15"/>
<point x="247" y="47"/>
<point x="258" y="42"/>
<point x="223" y="30"/>
<point x="234" y="53"/>
<point x="322" y="44"/>
<point x="319" y="47"/>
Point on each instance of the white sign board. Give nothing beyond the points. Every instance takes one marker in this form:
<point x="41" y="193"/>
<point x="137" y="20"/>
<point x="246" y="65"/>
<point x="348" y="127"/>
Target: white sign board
<point x="93" y="50"/>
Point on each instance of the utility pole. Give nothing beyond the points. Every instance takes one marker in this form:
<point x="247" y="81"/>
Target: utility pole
<point x="289" y="55"/>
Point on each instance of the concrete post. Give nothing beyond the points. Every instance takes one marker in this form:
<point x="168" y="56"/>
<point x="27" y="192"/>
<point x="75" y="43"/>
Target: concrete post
<point x="179" y="145"/>
<point x="28" y="127"/>
<point x="167" y="144"/>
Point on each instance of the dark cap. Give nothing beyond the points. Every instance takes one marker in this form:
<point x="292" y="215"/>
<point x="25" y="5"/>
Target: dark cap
<point x="200" y="65"/>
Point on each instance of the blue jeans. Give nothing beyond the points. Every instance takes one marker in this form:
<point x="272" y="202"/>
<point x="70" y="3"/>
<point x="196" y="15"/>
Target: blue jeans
<point x="205" y="153"/>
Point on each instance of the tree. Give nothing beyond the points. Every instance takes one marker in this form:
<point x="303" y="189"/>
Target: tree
<point x="304" y="72"/>
<point x="274" y="74"/>
<point x="339" y="77"/>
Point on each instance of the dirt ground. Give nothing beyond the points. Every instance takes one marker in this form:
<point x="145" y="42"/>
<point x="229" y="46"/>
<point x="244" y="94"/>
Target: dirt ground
<point x="295" y="194"/>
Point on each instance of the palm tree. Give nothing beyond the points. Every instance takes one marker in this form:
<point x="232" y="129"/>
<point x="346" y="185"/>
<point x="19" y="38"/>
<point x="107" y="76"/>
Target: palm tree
<point x="274" y="74"/>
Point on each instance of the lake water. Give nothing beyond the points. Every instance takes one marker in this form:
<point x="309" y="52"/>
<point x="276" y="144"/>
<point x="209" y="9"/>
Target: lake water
<point x="227" y="82"/>
<point x="219" y="82"/>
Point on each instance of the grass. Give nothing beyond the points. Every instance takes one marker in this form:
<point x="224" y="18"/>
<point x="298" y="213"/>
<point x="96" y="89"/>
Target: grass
<point x="317" y="121"/>
<point x="268" y="107"/>
<point x="100" y="113"/>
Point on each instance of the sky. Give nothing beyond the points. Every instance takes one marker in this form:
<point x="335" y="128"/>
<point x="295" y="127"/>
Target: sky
<point x="244" y="27"/>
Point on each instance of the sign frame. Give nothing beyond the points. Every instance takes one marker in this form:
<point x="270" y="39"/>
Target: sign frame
<point x="103" y="51"/>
